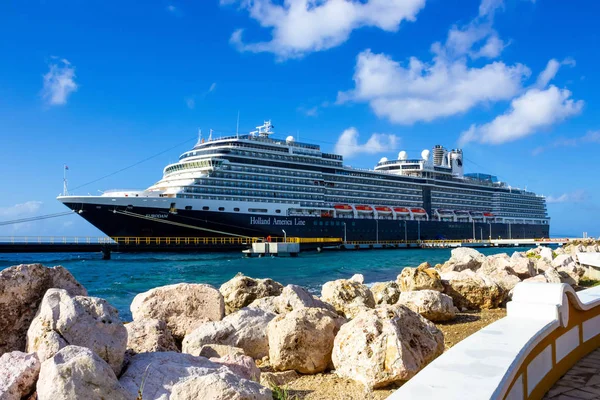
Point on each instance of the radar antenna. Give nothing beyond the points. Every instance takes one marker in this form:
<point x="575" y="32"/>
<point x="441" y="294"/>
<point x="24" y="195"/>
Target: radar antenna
<point x="264" y="130"/>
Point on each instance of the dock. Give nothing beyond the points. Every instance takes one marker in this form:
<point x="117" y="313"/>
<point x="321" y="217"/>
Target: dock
<point x="250" y="245"/>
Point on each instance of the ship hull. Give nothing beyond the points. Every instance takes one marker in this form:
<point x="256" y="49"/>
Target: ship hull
<point x="153" y="222"/>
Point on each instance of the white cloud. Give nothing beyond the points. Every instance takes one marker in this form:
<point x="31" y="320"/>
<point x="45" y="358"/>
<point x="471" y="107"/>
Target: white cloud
<point x="445" y="86"/>
<point x="577" y="196"/>
<point x="59" y="82"/>
<point x="588" y="138"/>
<point x="299" y="27"/>
<point x="190" y="102"/>
<point x="212" y="87"/>
<point x="20" y="210"/>
<point x="309" y="112"/>
<point x="551" y="70"/>
<point x="348" y="146"/>
<point x="424" y="92"/>
<point x="535" y="109"/>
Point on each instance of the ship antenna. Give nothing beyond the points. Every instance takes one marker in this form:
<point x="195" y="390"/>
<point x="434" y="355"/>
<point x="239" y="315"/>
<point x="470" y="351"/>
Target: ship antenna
<point x="237" y="127"/>
<point x="65" y="189"/>
<point x="210" y="135"/>
<point x="199" y="137"/>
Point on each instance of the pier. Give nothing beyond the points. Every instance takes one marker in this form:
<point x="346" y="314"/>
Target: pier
<point x="107" y="245"/>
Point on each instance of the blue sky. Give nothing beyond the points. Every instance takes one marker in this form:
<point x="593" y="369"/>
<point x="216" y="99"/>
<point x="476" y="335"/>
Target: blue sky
<point x="101" y="86"/>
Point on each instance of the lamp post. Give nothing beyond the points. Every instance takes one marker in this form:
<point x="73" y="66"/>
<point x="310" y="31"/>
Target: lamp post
<point x="405" y="235"/>
<point x="509" y="231"/>
<point x="377" y="230"/>
<point x="343" y="223"/>
<point x="284" y="236"/>
<point x="490" y="230"/>
<point x="419" y="229"/>
<point x="481" y="234"/>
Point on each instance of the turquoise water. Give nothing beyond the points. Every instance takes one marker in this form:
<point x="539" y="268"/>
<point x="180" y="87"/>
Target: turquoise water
<point x="118" y="280"/>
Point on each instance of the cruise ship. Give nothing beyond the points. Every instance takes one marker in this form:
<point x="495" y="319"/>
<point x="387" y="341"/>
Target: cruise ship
<point x="255" y="185"/>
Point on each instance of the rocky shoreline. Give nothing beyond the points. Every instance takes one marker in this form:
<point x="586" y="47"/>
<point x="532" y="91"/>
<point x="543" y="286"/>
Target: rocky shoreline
<point x="250" y="337"/>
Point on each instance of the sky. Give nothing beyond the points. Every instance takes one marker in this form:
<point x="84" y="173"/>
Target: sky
<point x="117" y="90"/>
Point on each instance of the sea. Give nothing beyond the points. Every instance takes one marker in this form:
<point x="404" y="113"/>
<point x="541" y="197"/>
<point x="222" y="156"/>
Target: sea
<point x="125" y="275"/>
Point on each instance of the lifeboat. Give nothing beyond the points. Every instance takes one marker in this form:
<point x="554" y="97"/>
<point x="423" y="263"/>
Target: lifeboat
<point x="402" y="210"/>
<point x="343" y="208"/>
<point x="363" y="209"/>
<point x="446" y="212"/>
<point x="383" y="210"/>
<point x="462" y="214"/>
<point x="418" y="211"/>
<point x="488" y="215"/>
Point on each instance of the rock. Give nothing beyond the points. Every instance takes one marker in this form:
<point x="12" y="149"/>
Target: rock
<point x="463" y="258"/>
<point x="358" y="278"/>
<point x="542" y="265"/>
<point x="18" y="373"/>
<point x="294" y="297"/>
<point x="348" y="297"/>
<point x="385" y="292"/>
<point x="421" y="278"/>
<point x="149" y="335"/>
<point x="240" y="365"/>
<point x="269" y="304"/>
<point x="431" y="304"/>
<point x="538" y="278"/>
<point x="552" y="276"/>
<point x="219" y="350"/>
<point x="182" y="306"/>
<point x="270" y="379"/>
<point x="78" y="373"/>
<point x="522" y="266"/>
<point x="564" y="260"/>
<point x="245" y="328"/>
<point x="386" y="345"/>
<point x="498" y="268"/>
<point x="220" y="386"/>
<point x="546" y="253"/>
<point x="559" y="251"/>
<point x="161" y="371"/>
<point x="21" y="290"/>
<point x="90" y="322"/>
<point x="302" y="340"/>
<point x="571" y="274"/>
<point x="472" y="291"/>
<point x="243" y="290"/>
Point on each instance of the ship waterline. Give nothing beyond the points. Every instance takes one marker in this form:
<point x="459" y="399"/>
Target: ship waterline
<point x="256" y="186"/>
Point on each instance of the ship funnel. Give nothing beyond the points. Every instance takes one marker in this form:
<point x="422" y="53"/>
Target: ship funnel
<point x="438" y="154"/>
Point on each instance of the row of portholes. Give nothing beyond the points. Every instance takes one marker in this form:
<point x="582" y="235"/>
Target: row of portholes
<point x="236" y="209"/>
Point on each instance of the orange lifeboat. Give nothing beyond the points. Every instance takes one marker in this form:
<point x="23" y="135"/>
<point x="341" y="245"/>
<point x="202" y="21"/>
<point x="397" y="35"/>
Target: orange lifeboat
<point x="402" y="210"/>
<point x="488" y="215"/>
<point x="383" y="210"/>
<point x="364" y="209"/>
<point x="342" y="208"/>
<point x="419" y="211"/>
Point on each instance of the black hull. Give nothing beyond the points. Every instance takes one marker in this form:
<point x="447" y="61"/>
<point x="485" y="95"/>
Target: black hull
<point x="152" y="222"/>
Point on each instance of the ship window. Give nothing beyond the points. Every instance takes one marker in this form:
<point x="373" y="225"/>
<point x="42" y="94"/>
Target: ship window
<point x="188" y="207"/>
<point x="261" y="210"/>
<point x="278" y="211"/>
<point x="221" y="208"/>
<point x="236" y="209"/>
<point x="205" y="208"/>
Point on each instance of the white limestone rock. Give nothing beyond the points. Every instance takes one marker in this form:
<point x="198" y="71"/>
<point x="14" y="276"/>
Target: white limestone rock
<point x="385" y="292"/>
<point x="472" y="291"/>
<point x="240" y="365"/>
<point x="18" y="373"/>
<point x="565" y="260"/>
<point x="182" y="306"/>
<point x="78" y="373"/>
<point x="430" y="304"/>
<point x="242" y="290"/>
<point x="546" y="253"/>
<point x="220" y="386"/>
<point x="161" y="371"/>
<point x="21" y="290"/>
<point x="541" y="278"/>
<point x="552" y="276"/>
<point x="421" y="278"/>
<point x="90" y="322"/>
<point x="522" y="266"/>
<point x="269" y="304"/>
<point x="347" y="296"/>
<point x="498" y="268"/>
<point x="219" y="350"/>
<point x="360" y="278"/>
<point x="302" y="340"/>
<point x="386" y="345"/>
<point x="149" y="335"/>
<point x="463" y="258"/>
<point x="245" y="328"/>
<point x="294" y="297"/>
